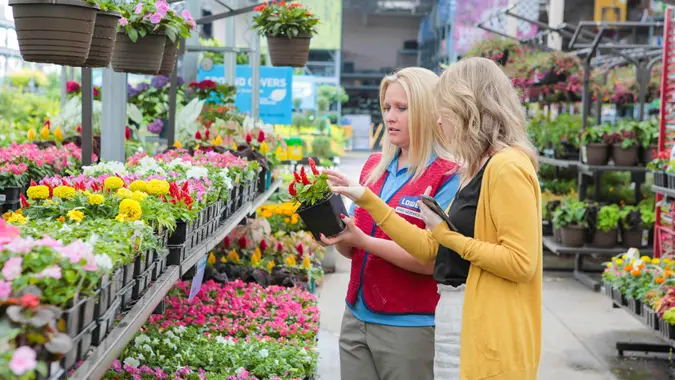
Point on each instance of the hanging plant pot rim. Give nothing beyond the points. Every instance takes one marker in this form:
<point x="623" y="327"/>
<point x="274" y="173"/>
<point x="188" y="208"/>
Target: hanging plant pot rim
<point x="110" y="13"/>
<point x="75" y="3"/>
<point x="302" y="35"/>
<point x="139" y="36"/>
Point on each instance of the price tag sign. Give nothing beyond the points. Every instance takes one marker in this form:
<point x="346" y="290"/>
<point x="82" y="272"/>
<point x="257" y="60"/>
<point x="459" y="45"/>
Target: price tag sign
<point x="672" y="152"/>
<point x="197" y="279"/>
<point x="584" y="154"/>
<point x="645" y="238"/>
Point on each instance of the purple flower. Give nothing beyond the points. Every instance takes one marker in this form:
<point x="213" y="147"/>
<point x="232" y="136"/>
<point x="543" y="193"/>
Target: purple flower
<point x="156" y="126"/>
<point x="181" y="81"/>
<point x="131" y="91"/>
<point x="139" y="9"/>
<point x="159" y="81"/>
<point x="156" y="18"/>
<point x="142" y="87"/>
<point x="5" y="289"/>
<point x="124" y="21"/>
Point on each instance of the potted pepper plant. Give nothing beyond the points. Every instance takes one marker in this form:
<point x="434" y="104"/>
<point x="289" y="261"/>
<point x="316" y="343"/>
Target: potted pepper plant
<point x="594" y="145"/>
<point x="289" y="28"/>
<point x="571" y="219"/>
<point x="606" y="233"/>
<point x="320" y="209"/>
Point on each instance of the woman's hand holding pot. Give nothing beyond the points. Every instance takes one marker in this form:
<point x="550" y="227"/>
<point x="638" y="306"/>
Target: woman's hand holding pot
<point x="351" y="236"/>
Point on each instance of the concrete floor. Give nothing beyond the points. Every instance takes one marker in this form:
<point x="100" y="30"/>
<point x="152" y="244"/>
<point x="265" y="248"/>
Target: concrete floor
<point x="580" y="327"/>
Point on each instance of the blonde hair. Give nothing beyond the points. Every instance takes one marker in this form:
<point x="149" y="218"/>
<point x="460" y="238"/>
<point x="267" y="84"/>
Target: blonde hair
<point x="479" y="101"/>
<point x="426" y="137"/>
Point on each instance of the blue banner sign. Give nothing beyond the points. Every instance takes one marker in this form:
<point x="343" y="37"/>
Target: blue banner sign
<point x="276" y="91"/>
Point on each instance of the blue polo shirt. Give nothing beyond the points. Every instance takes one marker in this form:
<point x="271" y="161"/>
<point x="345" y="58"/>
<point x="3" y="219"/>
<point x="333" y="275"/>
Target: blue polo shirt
<point x="396" y="178"/>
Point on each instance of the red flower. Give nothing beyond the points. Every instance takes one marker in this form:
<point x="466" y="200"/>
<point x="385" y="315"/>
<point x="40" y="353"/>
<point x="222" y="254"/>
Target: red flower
<point x="48" y="124"/>
<point x="226" y="242"/>
<point x="242" y="242"/>
<point x="32" y="183"/>
<point x="248" y="138"/>
<point x="72" y="86"/>
<point x="97" y="92"/>
<point x="198" y="135"/>
<point x="127" y="133"/>
<point x="291" y="189"/>
<point x="301" y="249"/>
<point x="263" y="245"/>
<point x="280" y="247"/>
<point x="312" y="165"/>
<point x="24" y="201"/>
<point x="297" y="177"/>
<point x="30" y="301"/>
<point x="261" y="136"/>
<point x="303" y="176"/>
<point x="207" y="133"/>
<point x="79" y="129"/>
<point x="194" y="84"/>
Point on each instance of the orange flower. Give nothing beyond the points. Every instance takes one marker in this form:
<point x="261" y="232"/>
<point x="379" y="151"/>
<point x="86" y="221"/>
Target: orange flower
<point x="628" y="268"/>
<point x="641" y="266"/>
<point x="667" y="267"/>
<point x="635" y="272"/>
<point x="61" y="219"/>
<point x="660" y="280"/>
<point x="668" y="273"/>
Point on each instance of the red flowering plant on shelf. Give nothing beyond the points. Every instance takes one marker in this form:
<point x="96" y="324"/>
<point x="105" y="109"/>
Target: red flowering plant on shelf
<point x="320" y="208"/>
<point x="74" y="89"/>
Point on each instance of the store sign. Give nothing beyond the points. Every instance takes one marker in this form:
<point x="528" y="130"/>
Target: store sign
<point x="276" y="90"/>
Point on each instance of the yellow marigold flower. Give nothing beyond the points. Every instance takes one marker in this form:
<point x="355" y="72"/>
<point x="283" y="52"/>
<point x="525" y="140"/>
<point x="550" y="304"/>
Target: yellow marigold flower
<point x="58" y="134"/>
<point x="64" y="192"/>
<point x="270" y="265"/>
<point x="267" y="214"/>
<point x="264" y="149"/>
<point x="158" y="187"/>
<point x="130" y="210"/>
<point x="287" y="220"/>
<point x="95" y="199"/>
<point x="75" y="215"/>
<point x="295" y="219"/>
<point x="619" y="262"/>
<point x="124" y="193"/>
<point x="31" y="134"/>
<point x="113" y="183"/>
<point x="139" y="185"/>
<point x="218" y="141"/>
<point x="610" y="265"/>
<point x="17" y="218"/>
<point x="290" y="261"/>
<point x="139" y="195"/>
<point x="646" y="259"/>
<point x="177" y="144"/>
<point x="656" y="261"/>
<point x="288" y="212"/>
<point x="306" y="262"/>
<point x="38" y="192"/>
<point x="61" y="219"/>
<point x="212" y="259"/>
<point x="6" y="215"/>
<point x="44" y="133"/>
<point x="233" y="256"/>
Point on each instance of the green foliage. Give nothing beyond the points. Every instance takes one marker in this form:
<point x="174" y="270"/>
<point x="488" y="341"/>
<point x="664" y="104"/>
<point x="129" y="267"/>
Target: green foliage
<point x="321" y="147"/>
<point x="137" y="25"/>
<point x="282" y="19"/>
<point x="608" y="218"/>
<point x="595" y="135"/>
<point x="570" y="213"/>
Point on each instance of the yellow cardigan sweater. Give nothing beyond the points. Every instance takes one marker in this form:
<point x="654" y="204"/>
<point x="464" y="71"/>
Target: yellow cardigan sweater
<point x="501" y="322"/>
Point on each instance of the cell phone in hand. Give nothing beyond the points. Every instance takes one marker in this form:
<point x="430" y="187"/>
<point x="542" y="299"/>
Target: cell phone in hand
<point x="438" y="210"/>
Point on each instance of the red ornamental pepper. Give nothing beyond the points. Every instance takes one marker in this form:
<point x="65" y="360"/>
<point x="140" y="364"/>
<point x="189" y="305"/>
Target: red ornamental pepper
<point x="291" y="189"/>
<point x="242" y="242"/>
<point x="303" y="175"/>
<point x="207" y="133"/>
<point x="127" y="133"/>
<point x="261" y="136"/>
<point x="301" y="249"/>
<point x="312" y="166"/>
<point x="248" y="138"/>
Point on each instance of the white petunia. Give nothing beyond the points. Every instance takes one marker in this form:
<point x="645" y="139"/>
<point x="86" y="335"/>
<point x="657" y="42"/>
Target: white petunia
<point x="104" y="262"/>
<point x="197" y="172"/>
<point x="264" y="353"/>
<point x="132" y="362"/>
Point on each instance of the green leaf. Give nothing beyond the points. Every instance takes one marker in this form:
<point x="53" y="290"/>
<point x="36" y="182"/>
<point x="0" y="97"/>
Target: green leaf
<point x="133" y="34"/>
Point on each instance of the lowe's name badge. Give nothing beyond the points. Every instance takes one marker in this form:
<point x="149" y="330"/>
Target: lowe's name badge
<point x="408" y="206"/>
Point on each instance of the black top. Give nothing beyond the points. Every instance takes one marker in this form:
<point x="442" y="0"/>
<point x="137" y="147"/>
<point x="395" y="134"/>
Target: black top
<point x="451" y="268"/>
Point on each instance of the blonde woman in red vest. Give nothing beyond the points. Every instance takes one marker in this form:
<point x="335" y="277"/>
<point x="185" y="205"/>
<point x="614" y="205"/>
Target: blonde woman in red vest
<point x="388" y="325"/>
<point x="495" y="224"/>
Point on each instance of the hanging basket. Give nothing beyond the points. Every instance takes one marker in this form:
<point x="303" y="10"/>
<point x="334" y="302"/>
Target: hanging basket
<point x="141" y="57"/>
<point x="169" y="58"/>
<point x="54" y="31"/>
<point x="103" y="42"/>
<point x="284" y="51"/>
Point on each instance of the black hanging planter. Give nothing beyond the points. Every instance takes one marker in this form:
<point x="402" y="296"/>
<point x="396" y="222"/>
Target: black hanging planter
<point x="324" y="217"/>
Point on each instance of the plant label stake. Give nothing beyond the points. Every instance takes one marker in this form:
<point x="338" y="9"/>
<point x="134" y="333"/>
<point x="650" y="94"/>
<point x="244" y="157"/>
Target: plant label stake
<point x="197" y="279"/>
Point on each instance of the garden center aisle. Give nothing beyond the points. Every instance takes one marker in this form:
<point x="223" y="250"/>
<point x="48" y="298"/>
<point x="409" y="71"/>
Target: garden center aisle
<point x="580" y="326"/>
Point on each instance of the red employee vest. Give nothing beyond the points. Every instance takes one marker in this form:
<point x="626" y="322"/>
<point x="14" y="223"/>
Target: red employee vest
<point x="388" y="289"/>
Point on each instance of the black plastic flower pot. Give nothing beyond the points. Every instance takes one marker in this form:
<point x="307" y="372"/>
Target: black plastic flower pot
<point x="176" y="255"/>
<point x="70" y="319"/>
<point x="128" y="273"/>
<point x="667" y="330"/>
<point x="10" y="206"/>
<point x="660" y="179"/>
<point x="240" y="195"/>
<point x="635" y="306"/>
<point x="104" y="324"/>
<point x="10" y="194"/>
<point x="149" y="258"/>
<point x="125" y="295"/>
<point x="116" y="282"/>
<point x="103" y="300"/>
<point x="179" y="234"/>
<point x="608" y="289"/>
<point x="81" y="344"/>
<point x="141" y="284"/>
<point x="262" y="180"/>
<point x="324" y="217"/>
<point x="160" y="266"/>
<point x="671" y="180"/>
<point x="87" y="311"/>
<point x="619" y="298"/>
<point x="139" y="264"/>
<point x="651" y="318"/>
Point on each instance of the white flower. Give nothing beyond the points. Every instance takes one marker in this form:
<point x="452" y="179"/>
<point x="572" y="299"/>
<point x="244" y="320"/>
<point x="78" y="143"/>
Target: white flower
<point x="264" y="353"/>
<point x="179" y="162"/>
<point x="197" y="172"/>
<point x="248" y="123"/>
<point x="141" y="357"/>
<point x="180" y="329"/>
<point x="132" y="362"/>
<point x="148" y="349"/>
<point x="104" y="262"/>
<point x="224" y="341"/>
<point x="110" y="167"/>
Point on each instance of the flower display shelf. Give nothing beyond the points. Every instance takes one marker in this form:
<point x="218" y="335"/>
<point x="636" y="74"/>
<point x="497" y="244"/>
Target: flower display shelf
<point x="664" y="191"/>
<point x="262" y="198"/>
<point x="106" y="350"/>
<point x="579" y="273"/>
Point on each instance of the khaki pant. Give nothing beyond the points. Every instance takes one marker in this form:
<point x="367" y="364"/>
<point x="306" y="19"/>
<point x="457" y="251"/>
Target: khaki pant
<point x="376" y="352"/>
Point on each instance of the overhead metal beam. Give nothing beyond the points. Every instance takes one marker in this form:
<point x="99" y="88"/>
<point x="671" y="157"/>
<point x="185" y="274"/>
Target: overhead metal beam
<point x="220" y="16"/>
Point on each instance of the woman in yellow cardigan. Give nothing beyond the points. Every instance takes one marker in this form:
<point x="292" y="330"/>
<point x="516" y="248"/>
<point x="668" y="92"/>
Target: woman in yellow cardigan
<point x="497" y="214"/>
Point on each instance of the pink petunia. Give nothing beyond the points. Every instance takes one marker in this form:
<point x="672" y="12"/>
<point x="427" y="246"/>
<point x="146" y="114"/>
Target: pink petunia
<point x="139" y="9"/>
<point x="156" y="18"/>
<point x="7" y="232"/>
<point x="12" y="268"/>
<point x="124" y="21"/>
<point x="5" y="289"/>
<point x="53" y="271"/>
<point x="23" y="360"/>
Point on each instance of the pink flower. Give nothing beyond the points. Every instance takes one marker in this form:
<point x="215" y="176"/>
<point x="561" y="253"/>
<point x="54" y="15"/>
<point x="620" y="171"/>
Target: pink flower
<point x="23" y="360"/>
<point x="12" y="268"/>
<point x="124" y="21"/>
<point x="162" y="7"/>
<point x="21" y="245"/>
<point x="48" y="241"/>
<point x="186" y="15"/>
<point x="53" y="271"/>
<point x="75" y="251"/>
<point x="139" y="9"/>
<point x="90" y="264"/>
<point x="7" y="232"/>
<point x="156" y="18"/>
<point x="5" y="289"/>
